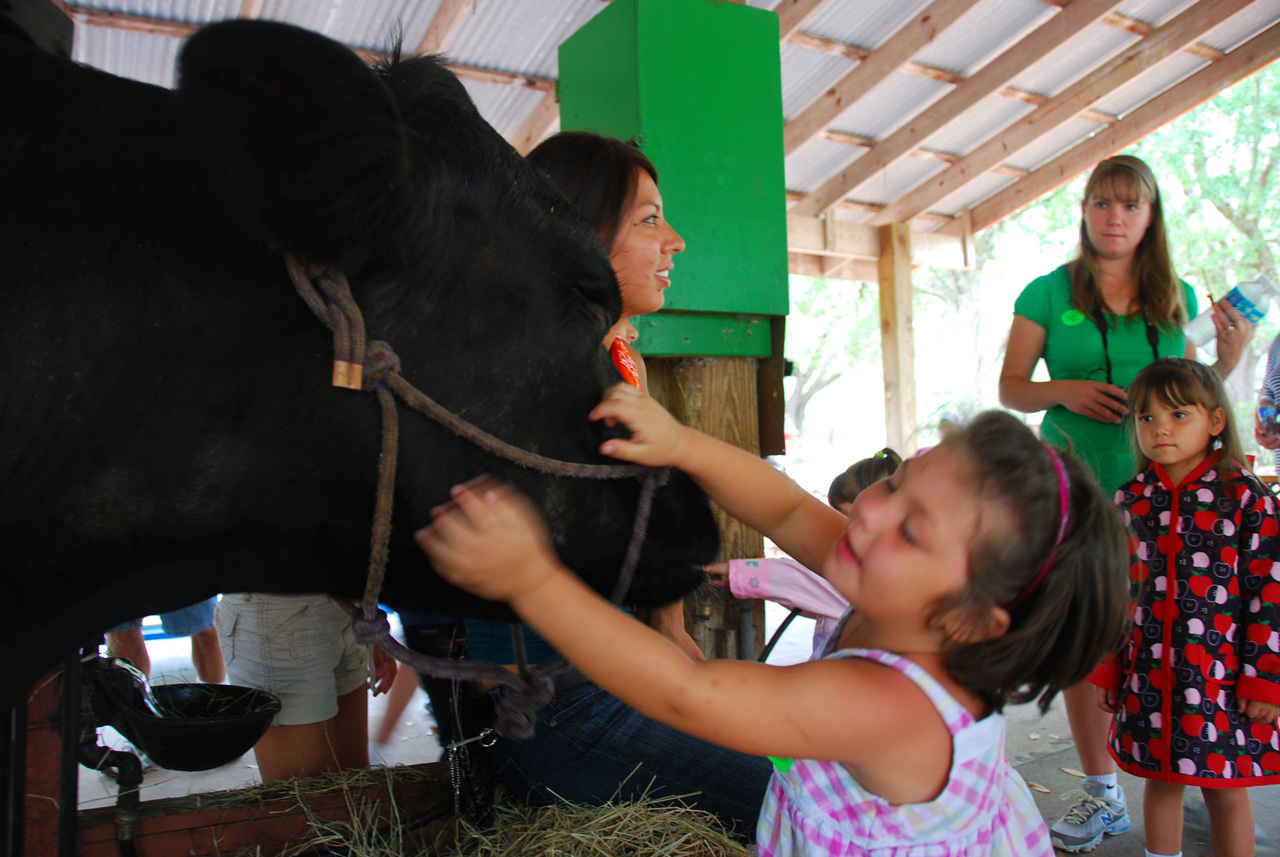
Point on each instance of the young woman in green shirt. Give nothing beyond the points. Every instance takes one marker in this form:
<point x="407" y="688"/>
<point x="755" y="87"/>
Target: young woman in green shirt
<point x="1096" y="322"/>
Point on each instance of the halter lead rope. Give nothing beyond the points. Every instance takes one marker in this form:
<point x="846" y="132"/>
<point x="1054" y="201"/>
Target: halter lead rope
<point x="532" y="688"/>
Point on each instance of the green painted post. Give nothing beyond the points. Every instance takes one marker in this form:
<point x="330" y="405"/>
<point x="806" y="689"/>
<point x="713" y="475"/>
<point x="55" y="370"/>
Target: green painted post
<point x="698" y="84"/>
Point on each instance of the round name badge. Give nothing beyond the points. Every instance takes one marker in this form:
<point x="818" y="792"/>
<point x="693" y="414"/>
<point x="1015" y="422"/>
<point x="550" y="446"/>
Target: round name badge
<point x="1072" y="317"/>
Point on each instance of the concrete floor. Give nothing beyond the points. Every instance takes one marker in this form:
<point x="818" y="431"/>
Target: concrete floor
<point x="1039" y="747"/>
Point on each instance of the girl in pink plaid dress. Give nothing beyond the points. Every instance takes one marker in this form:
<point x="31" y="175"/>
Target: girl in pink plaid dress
<point x="966" y="575"/>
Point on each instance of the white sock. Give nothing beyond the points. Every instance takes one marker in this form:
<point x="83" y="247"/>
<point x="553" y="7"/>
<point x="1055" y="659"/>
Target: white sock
<point x="1107" y="781"/>
<point x="1154" y="854"/>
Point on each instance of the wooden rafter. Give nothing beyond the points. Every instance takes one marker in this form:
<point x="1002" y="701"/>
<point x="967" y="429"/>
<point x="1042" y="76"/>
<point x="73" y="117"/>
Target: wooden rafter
<point x="792" y="15"/>
<point x="1068" y="104"/>
<point x="877" y="66"/>
<point x="182" y="30"/>
<point x="443" y="25"/>
<point x="1259" y="51"/>
<point x="539" y="124"/>
<point x="991" y="78"/>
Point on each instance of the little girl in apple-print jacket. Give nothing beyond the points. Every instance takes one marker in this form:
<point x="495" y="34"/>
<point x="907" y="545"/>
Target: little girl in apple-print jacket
<point x="1196" y="689"/>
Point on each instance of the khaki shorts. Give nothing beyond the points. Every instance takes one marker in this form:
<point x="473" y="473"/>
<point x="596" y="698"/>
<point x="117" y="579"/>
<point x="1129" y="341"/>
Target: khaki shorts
<point x="302" y="648"/>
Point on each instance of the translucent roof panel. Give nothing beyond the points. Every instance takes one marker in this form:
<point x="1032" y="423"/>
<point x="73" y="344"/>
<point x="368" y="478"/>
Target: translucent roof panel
<point x="1150" y="83"/>
<point x="1073" y="59"/>
<point x="1243" y="25"/>
<point x="807" y="74"/>
<point x="1049" y="146"/>
<point x="520" y="36"/>
<point x="865" y="23"/>
<point x="889" y="105"/>
<point x="138" y="56"/>
<point x="983" y="33"/>
<point x="894" y="182"/>
<point x="979" y="123"/>
<point x="505" y="107"/>
<point x="817" y="160"/>
<point x="984" y="186"/>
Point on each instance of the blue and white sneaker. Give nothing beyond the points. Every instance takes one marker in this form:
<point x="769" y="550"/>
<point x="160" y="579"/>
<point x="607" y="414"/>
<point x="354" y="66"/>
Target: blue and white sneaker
<point x="1091" y="818"/>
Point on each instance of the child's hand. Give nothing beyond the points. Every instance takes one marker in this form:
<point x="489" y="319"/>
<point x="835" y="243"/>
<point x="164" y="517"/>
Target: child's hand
<point x="385" y="668"/>
<point x="656" y="436"/>
<point x="1258" y="712"/>
<point x="490" y="541"/>
<point x="1108" y="700"/>
<point x="718" y="572"/>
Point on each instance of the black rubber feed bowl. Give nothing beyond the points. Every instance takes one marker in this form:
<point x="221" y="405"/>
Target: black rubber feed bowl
<point x="203" y="726"/>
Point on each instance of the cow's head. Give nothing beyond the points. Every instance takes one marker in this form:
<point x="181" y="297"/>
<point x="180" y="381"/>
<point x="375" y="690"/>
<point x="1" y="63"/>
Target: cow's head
<point x="489" y="286"/>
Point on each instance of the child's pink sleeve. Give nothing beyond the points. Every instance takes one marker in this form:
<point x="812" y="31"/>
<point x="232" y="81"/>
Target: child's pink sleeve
<point x="787" y="582"/>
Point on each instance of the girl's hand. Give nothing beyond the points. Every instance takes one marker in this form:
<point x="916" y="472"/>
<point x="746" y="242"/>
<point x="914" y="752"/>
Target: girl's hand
<point x="1258" y="712"/>
<point x="1234" y="333"/>
<point x="1266" y="441"/>
<point x="1105" y="403"/>
<point x="718" y="573"/>
<point x="1108" y="700"/>
<point x="384" y="671"/>
<point x="657" y="438"/>
<point x="490" y="541"/>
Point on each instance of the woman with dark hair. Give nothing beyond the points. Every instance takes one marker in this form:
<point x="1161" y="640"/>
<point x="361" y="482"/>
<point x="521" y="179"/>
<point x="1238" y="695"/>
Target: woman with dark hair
<point x="588" y="747"/>
<point x="1096" y="322"/>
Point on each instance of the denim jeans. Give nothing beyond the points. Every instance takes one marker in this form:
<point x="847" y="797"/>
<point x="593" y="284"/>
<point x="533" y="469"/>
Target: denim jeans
<point x="590" y="748"/>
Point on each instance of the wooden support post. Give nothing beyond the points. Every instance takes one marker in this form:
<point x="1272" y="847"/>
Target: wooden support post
<point x="897" y="337"/>
<point x="717" y="395"/>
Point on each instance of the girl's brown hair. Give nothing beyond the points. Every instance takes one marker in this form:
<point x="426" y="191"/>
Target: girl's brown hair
<point x="862" y="475"/>
<point x="1062" y="629"/>
<point x="1127" y="179"/>
<point x="1182" y="383"/>
<point x="598" y="174"/>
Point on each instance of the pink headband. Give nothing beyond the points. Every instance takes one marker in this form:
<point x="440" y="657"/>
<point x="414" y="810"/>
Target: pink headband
<point x="1064" y="495"/>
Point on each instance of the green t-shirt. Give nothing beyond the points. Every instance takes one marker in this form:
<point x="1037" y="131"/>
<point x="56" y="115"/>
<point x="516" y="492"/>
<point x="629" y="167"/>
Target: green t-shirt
<point x="1073" y="351"/>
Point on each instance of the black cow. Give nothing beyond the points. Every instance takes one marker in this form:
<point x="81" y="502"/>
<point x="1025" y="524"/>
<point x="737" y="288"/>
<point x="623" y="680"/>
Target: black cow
<point x="168" y="430"/>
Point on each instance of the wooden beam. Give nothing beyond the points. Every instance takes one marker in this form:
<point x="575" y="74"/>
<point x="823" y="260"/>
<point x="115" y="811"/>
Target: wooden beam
<point x="897" y="338"/>
<point x="1259" y="51"/>
<point x="1069" y="103"/>
<point x="538" y="125"/>
<point x="878" y="65"/>
<point x="840" y="241"/>
<point x="180" y="30"/>
<point x="132" y="23"/>
<point x="792" y="15"/>
<point x="991" y="78"/>
<point x="444" y="24"/>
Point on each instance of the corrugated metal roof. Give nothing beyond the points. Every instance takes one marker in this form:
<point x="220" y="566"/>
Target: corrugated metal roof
<point x="864" y="23"/>
<point x="806" y="74"/>
<point x="520" y="38"/>
<point x="886" y="107"/>
<point x="982" y="33"/>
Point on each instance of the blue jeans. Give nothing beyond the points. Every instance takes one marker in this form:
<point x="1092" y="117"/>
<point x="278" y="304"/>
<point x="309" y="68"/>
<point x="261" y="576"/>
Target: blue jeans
<point x="588" y="743"/>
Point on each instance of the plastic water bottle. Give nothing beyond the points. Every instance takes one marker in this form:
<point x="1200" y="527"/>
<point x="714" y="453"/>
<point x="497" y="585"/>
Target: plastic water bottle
<point x="1268" y="415"/>
<point x="1251" y="300"/>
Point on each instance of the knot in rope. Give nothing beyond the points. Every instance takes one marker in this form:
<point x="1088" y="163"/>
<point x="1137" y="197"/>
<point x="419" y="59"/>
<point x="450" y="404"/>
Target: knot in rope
<point x="371" y="630"/>
<point x="518" y="704"/>
<point x="380" y="362"/>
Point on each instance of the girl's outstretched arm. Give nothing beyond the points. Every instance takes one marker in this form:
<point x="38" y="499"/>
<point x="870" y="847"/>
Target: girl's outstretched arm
<point x="492" y="542"/>
<point x="745" y="485"/>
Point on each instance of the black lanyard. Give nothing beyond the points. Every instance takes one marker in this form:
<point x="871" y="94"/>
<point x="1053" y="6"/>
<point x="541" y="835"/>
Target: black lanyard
<point x="1153" y="337"/>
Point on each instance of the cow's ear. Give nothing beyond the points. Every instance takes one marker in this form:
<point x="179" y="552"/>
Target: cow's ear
<point x="304" y="140"/>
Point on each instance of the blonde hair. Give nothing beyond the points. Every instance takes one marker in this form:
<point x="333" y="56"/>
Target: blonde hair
<point x="1181" y="383"/>
<point x="1128" y="179"/>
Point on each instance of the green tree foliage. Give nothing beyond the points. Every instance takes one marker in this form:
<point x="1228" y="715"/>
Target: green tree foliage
<point x="834" y="326"/>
